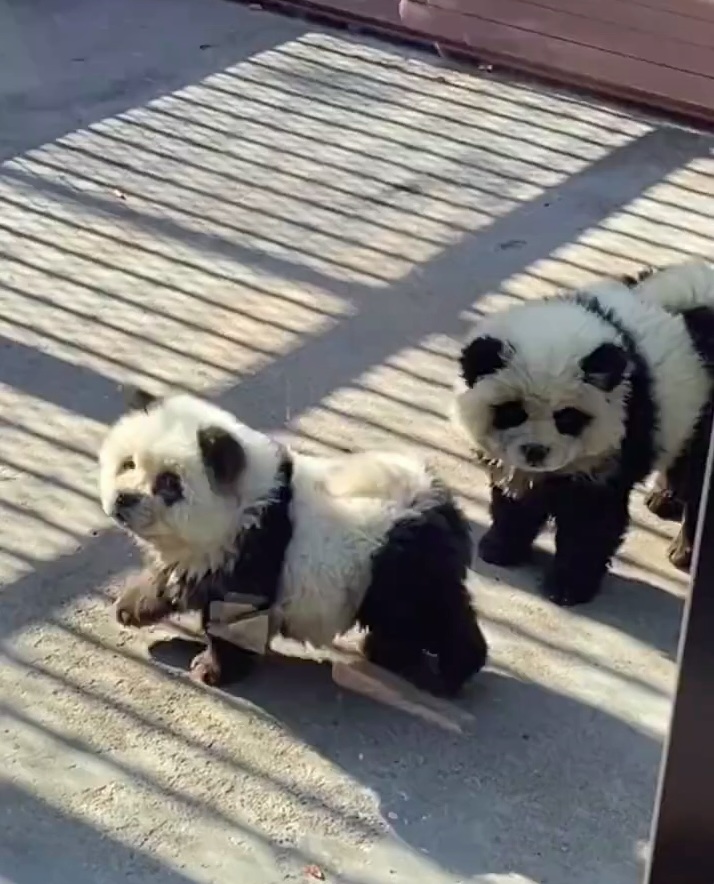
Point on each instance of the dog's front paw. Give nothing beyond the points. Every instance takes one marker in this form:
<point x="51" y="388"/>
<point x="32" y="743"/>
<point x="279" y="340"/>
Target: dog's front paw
<point x="663" y="504"/>
<point x="140" y="604"/>
<point x="496" y="549"/>
<point x="205" y="668"/>
<point x="679" y="552"/>
<point x="567" y="589"/>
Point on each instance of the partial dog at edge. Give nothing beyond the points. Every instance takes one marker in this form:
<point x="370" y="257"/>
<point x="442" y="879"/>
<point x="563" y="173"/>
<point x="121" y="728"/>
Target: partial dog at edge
<point x="573" y="400"/>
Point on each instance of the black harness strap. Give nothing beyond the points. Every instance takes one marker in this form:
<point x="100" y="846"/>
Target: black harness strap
<point x="254" y="578"/>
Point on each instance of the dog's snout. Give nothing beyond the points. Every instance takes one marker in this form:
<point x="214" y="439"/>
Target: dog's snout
<point x="125" y="503"/>
<point x="535" y="454"/>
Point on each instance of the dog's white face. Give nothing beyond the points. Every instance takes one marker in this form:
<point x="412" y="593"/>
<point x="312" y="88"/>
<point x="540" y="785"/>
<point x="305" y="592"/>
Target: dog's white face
<point x="178" y="472"/>
<point x="543" y="388"/>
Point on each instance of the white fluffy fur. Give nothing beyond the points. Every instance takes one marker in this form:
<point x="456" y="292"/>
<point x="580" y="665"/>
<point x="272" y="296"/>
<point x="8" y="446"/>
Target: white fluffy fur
<point x="198" y="534"/>
<point x="680" y="287"/>
<point x="550" y="337"/>
<point x="342" y="508"/>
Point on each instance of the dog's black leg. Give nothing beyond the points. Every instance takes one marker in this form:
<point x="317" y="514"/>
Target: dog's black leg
<point x="591" y="521"/>
<point x="456" y="640"/>
<point x="450" y="649"/>
<point x="417" y="607"/>
<point x="515" y="524"/>
<point x="388" y="649"/>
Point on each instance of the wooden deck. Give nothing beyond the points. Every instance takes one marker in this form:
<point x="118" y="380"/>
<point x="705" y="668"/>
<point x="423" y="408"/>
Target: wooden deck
<point x="657" y="52"/>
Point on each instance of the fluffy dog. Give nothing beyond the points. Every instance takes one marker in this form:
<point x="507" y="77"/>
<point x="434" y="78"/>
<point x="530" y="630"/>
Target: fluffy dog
<point x="371" y="539"/>
<point x="574" y="399"/>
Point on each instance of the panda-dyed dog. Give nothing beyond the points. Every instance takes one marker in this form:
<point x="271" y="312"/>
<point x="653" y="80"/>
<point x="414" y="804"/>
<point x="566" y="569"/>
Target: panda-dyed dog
<point x="688" y="290"/>
<point x="371" y="539"/>
<point x="574" y="399"/>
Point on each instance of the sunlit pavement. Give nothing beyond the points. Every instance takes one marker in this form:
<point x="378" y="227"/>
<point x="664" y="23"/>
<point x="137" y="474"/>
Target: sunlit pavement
<point x="201" y="196"/>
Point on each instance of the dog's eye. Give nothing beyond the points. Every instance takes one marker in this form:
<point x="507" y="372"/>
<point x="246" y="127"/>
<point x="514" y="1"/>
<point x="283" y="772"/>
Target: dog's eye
<point x="571" y="421"/>
<point x="126" y="465"/>
<point x="167" y="486"/>
<point x="509" y="414"/>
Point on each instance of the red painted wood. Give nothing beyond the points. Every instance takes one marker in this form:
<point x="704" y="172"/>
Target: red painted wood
<point x="693" y="10"/>
<point x="670" y="21"/>
<point x="628" y="77"/>
<point x="615" y="36"/>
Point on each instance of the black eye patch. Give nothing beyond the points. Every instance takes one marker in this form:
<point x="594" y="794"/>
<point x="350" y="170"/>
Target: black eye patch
<point x="168" y="487"/>
<point x="571" y="421"/>
<point x="507" y="415"/>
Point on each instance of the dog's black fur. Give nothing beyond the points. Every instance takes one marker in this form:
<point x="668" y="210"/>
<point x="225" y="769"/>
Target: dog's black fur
<point x="438" y="647"/>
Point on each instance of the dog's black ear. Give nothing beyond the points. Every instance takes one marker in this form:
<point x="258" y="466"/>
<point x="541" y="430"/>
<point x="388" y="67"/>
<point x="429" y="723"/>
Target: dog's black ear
<point x="223" y="455"/>
<point x="136" y="399"/>
<point x="482" y="357"/>
<point x="605" y="367"/>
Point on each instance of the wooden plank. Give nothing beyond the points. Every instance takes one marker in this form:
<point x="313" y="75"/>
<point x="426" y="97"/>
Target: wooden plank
<point x="612" y="37"/>
<point x="702" y="10"/>
<point x="694" y="11"/>
<point x="635" y="79"/>
<point x="672" y="24"/>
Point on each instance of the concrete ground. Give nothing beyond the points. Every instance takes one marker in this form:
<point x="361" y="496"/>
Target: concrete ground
<point x="198" y="195"/>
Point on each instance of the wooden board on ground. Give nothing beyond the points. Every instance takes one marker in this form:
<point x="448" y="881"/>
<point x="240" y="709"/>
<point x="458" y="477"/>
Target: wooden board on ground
<point x="354" y="673"/>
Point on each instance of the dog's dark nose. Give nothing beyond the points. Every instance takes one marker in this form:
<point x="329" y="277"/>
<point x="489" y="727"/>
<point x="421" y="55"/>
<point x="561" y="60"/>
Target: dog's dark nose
<point x="535" y="454"/>
<point x="124" y="503"/>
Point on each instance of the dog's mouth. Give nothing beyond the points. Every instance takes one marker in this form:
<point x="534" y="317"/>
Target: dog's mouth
<point x="541" y="469"/>
<point x="137" y="522"/>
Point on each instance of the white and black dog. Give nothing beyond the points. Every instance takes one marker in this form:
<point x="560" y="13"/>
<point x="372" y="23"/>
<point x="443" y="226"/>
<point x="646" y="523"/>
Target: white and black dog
<point x="371" y="539"/>
<point x="576" y="398"/>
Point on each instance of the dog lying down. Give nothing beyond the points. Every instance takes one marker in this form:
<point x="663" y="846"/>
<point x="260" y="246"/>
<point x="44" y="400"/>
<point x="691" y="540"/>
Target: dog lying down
<point x="266" y="542"/>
